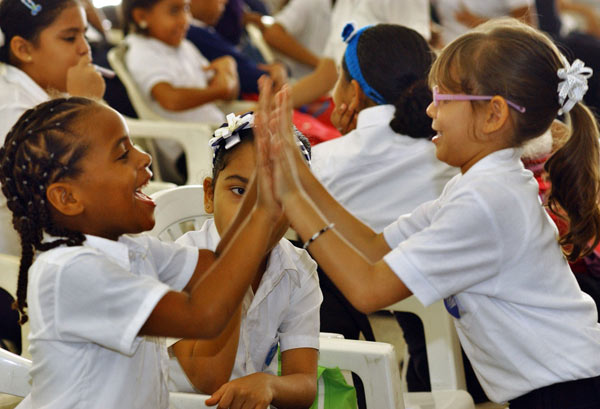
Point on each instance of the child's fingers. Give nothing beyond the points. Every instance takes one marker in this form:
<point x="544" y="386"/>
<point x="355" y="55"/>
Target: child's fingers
<point x="265" y="87"/>
<point x="215" y="397"/>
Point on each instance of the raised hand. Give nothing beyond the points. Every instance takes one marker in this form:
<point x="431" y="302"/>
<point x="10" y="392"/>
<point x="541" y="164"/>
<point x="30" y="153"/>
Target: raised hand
<point x="84" y="81"/>
<point x="262" y="141"/>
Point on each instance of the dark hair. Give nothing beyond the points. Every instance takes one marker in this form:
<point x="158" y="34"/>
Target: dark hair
<point x="508" y="58"/>
<point x="221" y="159"/>
<point x="395" y="61"/>
<point x="128" y="23"/>
<point x="40" y="149"/>
<point x="16" y="20"/>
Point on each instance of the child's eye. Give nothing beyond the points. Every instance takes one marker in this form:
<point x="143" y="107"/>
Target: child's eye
<point x="124" y="156"/>
<point x="238" y="190"/>
<point x="69" y="39"/>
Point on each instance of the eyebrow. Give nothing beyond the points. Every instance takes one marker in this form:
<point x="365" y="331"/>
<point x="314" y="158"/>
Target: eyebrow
<point x="237" y="177"/>
<point x="73" y="30"/>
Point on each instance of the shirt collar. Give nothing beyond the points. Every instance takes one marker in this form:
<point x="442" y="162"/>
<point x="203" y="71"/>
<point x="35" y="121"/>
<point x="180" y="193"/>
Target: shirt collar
<point x="120" y="251"/>
<point x="375" y="116"/>
<point x="509" y="157"/>
<point x="15" y="76"/>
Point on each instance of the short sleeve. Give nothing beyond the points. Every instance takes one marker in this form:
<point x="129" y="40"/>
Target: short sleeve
<point x="174" y="262"/>
<point x="459" y="249"/>
<point x="294" y="15"/>
<point x="410" y="223"/>
<point x="91" y="285"/>
<point x="300" y="327"/>
<point x="146" y="71"/>
<point x="517" y="4"/>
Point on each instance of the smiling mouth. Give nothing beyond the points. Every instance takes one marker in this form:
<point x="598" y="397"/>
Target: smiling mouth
<point x="140" y="195"/>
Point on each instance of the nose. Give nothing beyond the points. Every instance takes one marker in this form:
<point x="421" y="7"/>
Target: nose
<point x="431" y="110"/>
<point x="83" y="47"/>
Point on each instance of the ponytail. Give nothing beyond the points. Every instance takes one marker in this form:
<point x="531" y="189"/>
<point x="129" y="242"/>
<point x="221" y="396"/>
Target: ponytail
<point x="410" y="117"/>
<point x="575" y="176"/>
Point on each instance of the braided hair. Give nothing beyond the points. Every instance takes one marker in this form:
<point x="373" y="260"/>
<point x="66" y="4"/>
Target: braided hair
<point x="39" y="150"/>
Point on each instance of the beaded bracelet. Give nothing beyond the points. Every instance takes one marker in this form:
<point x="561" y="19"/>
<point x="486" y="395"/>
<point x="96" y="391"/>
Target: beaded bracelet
<point x="317" y="234"/>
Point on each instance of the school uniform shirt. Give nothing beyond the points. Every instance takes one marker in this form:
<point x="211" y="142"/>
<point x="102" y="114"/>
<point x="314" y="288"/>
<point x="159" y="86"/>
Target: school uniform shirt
<point x="410" y="13"/>
<point x="284" y="311"/>
<point x="150" y="62"/>
<point x="309" y="22"/>
<point x="452" y="28"/>
<point x="86" y="305"/>
<point x="378" y="174"/>
<point x="490" y="250"/>
<point x="18" y="93"/>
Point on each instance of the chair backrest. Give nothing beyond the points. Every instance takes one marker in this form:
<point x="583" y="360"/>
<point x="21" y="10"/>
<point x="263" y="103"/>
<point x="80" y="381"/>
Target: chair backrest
<point x="14" y="374"/>
<point x="177" y="211"/>
<point x="444" y="357"/>
<point x="116" y="59"/>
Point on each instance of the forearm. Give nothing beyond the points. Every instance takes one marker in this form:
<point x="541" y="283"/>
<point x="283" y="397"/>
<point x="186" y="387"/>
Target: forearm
<point x="276" y="36"/>
<point x="316" y="84"/>
<point x="293" y="391"/>
<point x="181" y="99"/>
<point x="368" y="285"/>
<point x="208" y="363"/>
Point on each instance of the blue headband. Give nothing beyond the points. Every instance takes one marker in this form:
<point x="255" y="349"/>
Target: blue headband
<point x="35" y="8"/>
<point x="351" y="38"/>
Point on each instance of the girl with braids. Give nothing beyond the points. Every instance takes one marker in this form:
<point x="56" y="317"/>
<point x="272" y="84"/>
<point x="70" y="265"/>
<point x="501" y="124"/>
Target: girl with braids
<point x="97" y="297"/>
<point x="42" y="51"/>
<point x="486" y="245"/>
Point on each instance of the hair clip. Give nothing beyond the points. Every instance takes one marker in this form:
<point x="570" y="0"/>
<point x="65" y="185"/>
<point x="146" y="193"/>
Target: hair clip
<point x="35" y="8"/>
<point x="41" y="187"/>
<point x="24" y="167"/>
<point x="24" y="182"/>
<point x="574" y="84"/>
<point x="52" y="155"/>
<point x="229" y="132"/>
<point x="45" y="174"/>
<point x="14" y="143"/>
<point x="57" y="124"/>
<point x="42" y="201"/>
<point x="348" y="32"/>
<point x="29" y="203"/>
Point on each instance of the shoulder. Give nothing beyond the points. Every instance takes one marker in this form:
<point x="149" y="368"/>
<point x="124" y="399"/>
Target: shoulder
<point x="207" y="237"/>
<point x="301" y="259"/>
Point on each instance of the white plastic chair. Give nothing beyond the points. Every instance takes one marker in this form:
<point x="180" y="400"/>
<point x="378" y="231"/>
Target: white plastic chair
<point x="444" y="357"/>
<point x="257" y="40"/>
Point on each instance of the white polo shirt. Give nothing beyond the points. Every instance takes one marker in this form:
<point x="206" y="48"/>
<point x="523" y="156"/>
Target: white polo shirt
<point x="309" y="22"/>
<point x="87" y="305"/>
<point x="488" y="247"/>
<point x="378" y="174"/>
<point x="150" y="62"/>
<point x="18" y="93"/>
<point x="284" y="311"/>
<point x="410" y="13"/>
<point x="452" y="28"/>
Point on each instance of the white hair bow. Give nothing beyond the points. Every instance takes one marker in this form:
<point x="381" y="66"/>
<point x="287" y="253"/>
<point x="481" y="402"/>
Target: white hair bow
<point x="574" y="84"/>
<point x="229" y="132"/>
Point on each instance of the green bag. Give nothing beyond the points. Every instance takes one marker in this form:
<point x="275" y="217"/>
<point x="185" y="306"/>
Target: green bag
<point x="332" y="390"/>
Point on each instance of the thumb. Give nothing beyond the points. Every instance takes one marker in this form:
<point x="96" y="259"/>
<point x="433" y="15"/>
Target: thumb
<point x="215" y="397"/>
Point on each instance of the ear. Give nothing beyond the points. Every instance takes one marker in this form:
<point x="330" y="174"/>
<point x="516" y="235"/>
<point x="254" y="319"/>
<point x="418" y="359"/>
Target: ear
<point x="139" y="14"/>
<point x="209" y="195"/>
<point x="21" y="49"/>
<point x="64" y="199"/>
<point x="496" y="115"/>
<point x="358" y="97"/>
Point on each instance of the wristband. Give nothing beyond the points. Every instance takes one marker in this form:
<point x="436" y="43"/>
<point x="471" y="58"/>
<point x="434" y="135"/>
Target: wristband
<point x="317" y="234"/>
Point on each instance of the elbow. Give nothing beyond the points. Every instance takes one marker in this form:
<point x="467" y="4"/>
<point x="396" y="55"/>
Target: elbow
<point x="210" y="321"/>
<point x="170" y="103"/>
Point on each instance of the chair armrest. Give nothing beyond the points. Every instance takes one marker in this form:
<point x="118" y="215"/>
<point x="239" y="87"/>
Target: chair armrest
<point x="14" y="374"/>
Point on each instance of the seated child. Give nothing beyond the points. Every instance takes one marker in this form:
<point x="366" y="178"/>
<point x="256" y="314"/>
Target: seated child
<point x="280" y="309"/>
<point x="178" y="82"/>
<point x="98" y="299"/>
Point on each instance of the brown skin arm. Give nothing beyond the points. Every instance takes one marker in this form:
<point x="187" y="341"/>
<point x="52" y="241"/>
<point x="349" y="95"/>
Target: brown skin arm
<point x="314" y="85"/>
<point x="277" y="37"/>
<point x="208" y="363"/>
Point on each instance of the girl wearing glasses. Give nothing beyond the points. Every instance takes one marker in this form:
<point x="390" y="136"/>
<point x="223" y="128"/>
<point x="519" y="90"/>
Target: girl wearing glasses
<point x="486" y="246"/>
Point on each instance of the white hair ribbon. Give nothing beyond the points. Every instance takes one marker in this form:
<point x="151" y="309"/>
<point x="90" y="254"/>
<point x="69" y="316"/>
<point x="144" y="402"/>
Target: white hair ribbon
<point x="574" y="84"/>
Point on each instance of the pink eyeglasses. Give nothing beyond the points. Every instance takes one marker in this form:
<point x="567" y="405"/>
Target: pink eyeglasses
<point x="437" y="97"/>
